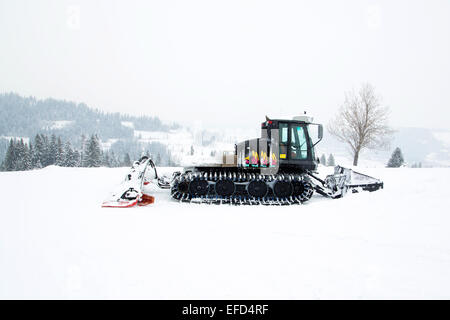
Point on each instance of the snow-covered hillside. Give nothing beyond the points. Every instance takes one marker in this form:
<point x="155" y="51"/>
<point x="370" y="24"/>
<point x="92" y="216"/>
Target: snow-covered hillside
<point x="430" y="147"/>
<point x="187" y="146"/>
<point x="56" y="242"/>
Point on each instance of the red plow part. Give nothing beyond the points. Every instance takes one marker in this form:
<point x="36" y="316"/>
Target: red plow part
<point x="119" y="204"/>
<point x="146" y="200"/>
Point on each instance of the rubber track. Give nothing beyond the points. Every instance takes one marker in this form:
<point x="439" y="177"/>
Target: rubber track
<point x="180" y="188"/>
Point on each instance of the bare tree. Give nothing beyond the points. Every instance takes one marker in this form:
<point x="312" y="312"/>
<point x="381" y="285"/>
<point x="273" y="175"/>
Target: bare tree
<point x="362" y="122"/>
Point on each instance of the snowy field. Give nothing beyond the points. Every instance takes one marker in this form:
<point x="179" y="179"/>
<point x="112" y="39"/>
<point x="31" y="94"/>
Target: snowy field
<point x="56" y="242"/>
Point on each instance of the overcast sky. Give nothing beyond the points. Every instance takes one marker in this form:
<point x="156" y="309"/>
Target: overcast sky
<point x="230" y="62"/>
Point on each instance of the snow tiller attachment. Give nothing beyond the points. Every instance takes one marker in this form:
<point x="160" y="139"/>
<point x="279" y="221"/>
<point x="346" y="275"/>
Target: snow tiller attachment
<point x="132" y="191"/>
<point x="277" y="169"/>
<point x="344" y="180"/>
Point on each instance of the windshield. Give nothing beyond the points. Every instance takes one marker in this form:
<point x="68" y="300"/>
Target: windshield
<point x="294" y="141"/>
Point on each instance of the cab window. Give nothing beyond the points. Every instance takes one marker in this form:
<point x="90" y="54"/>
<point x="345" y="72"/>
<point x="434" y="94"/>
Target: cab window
<point x="284" y="133"/>
<point x="299" y="145"/>
<point x="284" y="140"/>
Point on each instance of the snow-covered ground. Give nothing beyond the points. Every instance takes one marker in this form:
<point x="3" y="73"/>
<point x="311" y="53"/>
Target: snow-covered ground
<point x="56" y="242"/>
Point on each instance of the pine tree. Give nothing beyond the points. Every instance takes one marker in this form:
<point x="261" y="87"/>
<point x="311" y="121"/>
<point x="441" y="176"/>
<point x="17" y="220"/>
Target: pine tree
<point x="192" y="150"/>
<point x="83" y="151"/>
<point x="323" y="160"/>
<point x="169" y="159"/>
<point x="158" y="159"/>
<point x="53" y="150"/>
<point x="67" y="156"/>
<point x="38" y="152"/>
<point x="106" y="161"/>
<point x="396" y="159"/>
<point x="20" y="155"/>
<point x="59" y="153"/>
<point x="126" y="160"/>
<point x="27" y="158"/>
<point x="10" y="159"/>
<point x="46" y="154"/>
<point x="76" y="158"/>
<point x="31" y="154"/>
<point x="72" y="158"/>
<point x="113" y="160"/>
<point x="93" y="152"/>
<point x="330" y="161"/>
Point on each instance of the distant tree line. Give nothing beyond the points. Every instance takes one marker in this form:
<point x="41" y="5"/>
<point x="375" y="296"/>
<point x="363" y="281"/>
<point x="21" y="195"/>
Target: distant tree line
<point x="416" y="165"/>
<point x="24" y="116"/>
<point x="330" y="162"/>
<point x="52" y="150"/>
<point x="68" y="121"/>
<point x="395" y="161"/>
<point x="46" y="151"/>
